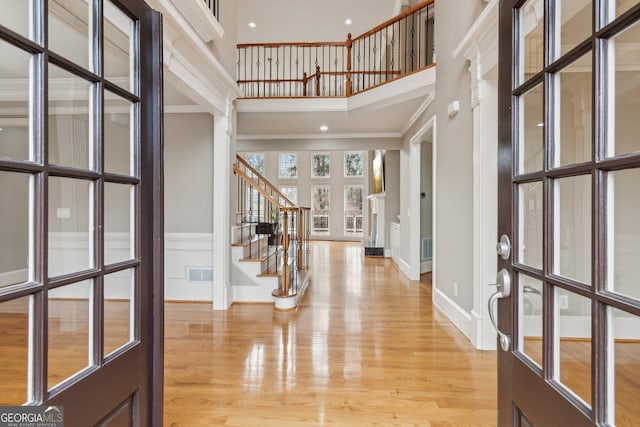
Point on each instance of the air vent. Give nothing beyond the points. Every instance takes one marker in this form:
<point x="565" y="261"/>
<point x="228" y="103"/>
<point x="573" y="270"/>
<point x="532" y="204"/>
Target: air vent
<point x="200" y="274"/>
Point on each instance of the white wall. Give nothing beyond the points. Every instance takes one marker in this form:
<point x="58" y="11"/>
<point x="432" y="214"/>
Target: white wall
<point x="188" y="204"/>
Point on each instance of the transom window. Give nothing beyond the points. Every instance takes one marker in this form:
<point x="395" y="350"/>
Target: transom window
<point x="256" y="160"/>
<point x="288" y="165"/>
<point x="320" y="165"/>
<point x="353" y="164"/>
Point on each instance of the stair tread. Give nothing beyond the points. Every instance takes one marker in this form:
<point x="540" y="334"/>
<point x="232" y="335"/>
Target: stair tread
<point x="247" y="243"/>
<point x="262" y="256"/>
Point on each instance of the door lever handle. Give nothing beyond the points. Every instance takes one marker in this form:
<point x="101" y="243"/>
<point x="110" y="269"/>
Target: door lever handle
<point x="503" y="285"/>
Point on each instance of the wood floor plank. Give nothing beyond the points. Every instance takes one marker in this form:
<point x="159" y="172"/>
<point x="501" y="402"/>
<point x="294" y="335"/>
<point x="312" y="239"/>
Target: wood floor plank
<point x="364" y="348"/>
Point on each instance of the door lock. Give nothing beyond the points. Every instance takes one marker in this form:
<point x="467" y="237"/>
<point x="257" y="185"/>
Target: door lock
<point x="503" y="290"/>
<point x="503" y="248"/>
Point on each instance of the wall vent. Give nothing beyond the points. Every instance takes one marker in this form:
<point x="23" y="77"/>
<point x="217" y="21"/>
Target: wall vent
<point x="427" y="248"/>
<point x="200" y="274"/>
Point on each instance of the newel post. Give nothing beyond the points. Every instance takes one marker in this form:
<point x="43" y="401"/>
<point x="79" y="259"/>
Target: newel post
<point x="300" y="238"/>
<point x="286" y="273"/>
<point x="347" y="89"/>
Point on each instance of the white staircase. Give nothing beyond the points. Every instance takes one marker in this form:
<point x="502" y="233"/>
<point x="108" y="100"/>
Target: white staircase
<point x="254" y="263"/>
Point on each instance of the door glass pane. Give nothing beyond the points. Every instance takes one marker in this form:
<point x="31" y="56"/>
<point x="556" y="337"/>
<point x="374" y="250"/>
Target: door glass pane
<point x="118" y="134"/>
<point x="530" y="223"/>
<point x="624" y="232"/>
<point x="530" y="318"/>
<point x="14" y="351"/>
<point x="118" y="34"/>
<point x="575" y="23"/>
<point x="626" y="336"/>
<point x="531" y="39"/>
<point x="531" y="131"/>
<point x="572" y="228"/>
<point x="16" y="15"/>
<point x="69" y="124"/>
<point x="118" y="317"/>
<point x="618" y="7"/>
<point x="118" y="217"/>
<point x="69" y="30"/>
<point x="15" y="234"/>
<point x="574" y="88"/>
<point x="70" y="226"/>
<point x="624" y="109"/>
<point x="15" y="141"/>
<point x="69" y="325"/>
<point x="573" y="342"/>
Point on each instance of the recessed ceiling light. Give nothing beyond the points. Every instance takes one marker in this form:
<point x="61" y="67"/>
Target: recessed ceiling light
<point x="324" y="128"/>
<point x="252" y="24"/>
<point x="540" y="124"/>
<point x="0" y="129"/>
<point x="348" y="21"/>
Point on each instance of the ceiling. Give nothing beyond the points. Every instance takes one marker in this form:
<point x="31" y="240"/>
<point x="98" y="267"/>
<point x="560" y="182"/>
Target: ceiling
<point x="290" y="20"/>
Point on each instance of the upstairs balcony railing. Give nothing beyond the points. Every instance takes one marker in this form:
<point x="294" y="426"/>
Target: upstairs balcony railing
<point x="393" y="49"/>
<point x="214" y="7"/>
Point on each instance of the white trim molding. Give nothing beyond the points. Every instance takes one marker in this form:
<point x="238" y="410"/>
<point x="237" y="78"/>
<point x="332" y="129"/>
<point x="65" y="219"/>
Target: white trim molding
<point x="456" y="314"/>
<point x="190" y="65"/>
<point x="480" y="47"/>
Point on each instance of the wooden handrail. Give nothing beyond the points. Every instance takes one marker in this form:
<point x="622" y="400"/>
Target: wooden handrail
<point x="293" y="44"/>
<point x="270" y="185"/>
<point x="262" y="191"/>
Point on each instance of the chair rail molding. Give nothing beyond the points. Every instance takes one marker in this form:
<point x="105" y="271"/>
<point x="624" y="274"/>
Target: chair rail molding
<point x="480" y="47"/>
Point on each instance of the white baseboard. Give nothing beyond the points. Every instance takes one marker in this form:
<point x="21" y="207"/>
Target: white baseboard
<point x="426" y="266"/>
<point x="402" y="265"/>
<point x="387" y="253"/>
<point x="13" y="277"/>
<point x="459" y="317"/>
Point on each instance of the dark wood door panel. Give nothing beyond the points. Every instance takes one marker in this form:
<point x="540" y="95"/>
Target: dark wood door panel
<point x="95" y="396"/>
<point x="541" y="403"/>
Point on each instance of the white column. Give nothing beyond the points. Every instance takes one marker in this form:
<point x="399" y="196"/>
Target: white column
<point x="223" y="154"/>
<point x="485" y="213"/>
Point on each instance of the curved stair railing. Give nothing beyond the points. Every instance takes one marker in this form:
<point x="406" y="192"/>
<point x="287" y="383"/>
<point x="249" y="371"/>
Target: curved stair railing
<point x="263" y="209"/>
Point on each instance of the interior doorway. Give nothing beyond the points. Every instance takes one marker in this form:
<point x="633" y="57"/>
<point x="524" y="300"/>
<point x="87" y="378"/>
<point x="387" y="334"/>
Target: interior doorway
<point x="421" y="209"/>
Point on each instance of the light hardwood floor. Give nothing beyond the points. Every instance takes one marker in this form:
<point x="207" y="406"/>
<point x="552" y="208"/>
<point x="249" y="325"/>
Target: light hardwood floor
<point x="364" y="348"/>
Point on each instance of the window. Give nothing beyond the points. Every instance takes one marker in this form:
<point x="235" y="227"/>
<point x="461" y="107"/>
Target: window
<point x="290" y="193"/>
<point x="256" y="160"/>
<point x="353" y="163"/>
<point x="320" y="165"/>
<point x="353" y="210"/>
<point x="320" y="210"/>
<point x="288" y="165"/>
